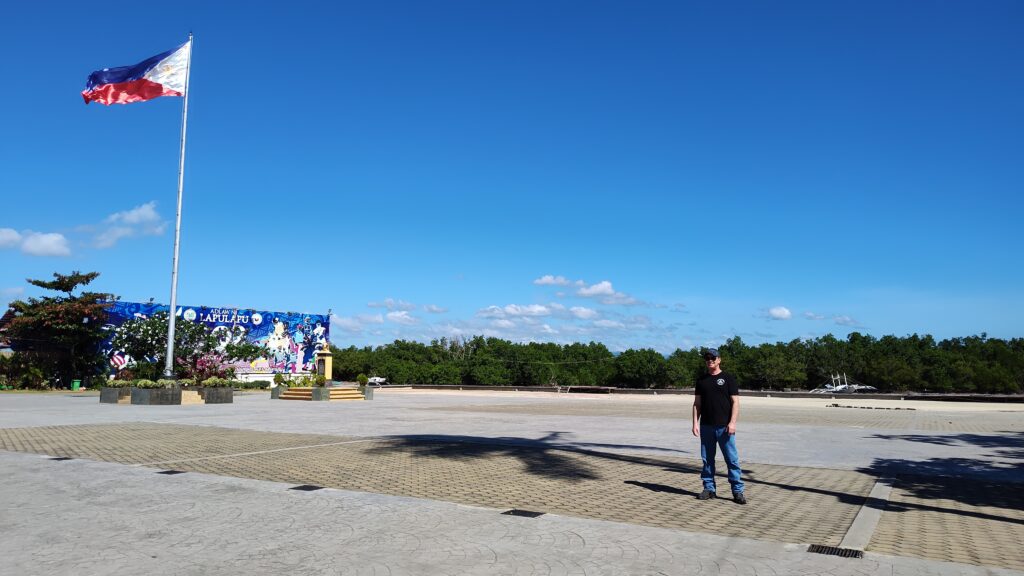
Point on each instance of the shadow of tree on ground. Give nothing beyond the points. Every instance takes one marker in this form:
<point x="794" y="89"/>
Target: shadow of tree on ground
<point x="940" y="479"/>
<point x="995" y="481"/>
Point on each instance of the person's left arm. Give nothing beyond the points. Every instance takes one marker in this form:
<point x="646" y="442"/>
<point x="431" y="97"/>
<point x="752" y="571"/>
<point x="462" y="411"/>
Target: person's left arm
<point x="734" y="395"/>
<point x="731" y="428"/>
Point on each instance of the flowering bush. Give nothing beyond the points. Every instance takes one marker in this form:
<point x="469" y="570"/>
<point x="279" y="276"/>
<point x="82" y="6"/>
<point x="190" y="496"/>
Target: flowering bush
<point x="208" y="365"/>
<point x="196" y="353"/>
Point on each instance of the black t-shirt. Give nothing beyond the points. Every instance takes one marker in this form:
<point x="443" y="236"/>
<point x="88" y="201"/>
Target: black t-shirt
<point x="716" y="398"/>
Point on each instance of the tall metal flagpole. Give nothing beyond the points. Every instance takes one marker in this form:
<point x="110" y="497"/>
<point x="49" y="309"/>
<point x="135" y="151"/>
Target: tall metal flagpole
<point x="169" y="366"/>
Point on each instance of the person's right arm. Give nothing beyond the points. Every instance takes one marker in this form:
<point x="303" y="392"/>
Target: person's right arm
<point x="696" y="413"/>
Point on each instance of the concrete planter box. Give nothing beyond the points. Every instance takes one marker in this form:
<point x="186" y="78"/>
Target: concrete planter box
<point x="156" y="396"/>
<point x="275" y="392"/>
<point x="116" y="395"/>
<point x="217" y="395"/>
<point x="321" y="393"/>
<point x="367" y="392"/>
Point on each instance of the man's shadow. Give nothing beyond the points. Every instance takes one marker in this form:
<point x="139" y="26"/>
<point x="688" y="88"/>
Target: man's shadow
<point x="661" y="488"/>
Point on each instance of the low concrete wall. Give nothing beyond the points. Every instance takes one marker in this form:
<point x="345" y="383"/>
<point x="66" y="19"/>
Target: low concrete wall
<point x="217" y="395"/>
<point x="115" y="395"/>
<point x="156" y="396"/>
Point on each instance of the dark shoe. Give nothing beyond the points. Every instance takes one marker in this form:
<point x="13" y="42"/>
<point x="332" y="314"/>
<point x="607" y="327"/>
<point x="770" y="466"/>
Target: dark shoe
<point x="707" y="495"/>
<point x="739" y="498"/>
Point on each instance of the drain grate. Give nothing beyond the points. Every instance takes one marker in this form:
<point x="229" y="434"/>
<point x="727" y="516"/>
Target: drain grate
<point x="171" y="472"/>
<point x="306" y="487"/>
<point x="523" y="513"/>
<point x="836" y="551"/>
<point x="61" y="458"/>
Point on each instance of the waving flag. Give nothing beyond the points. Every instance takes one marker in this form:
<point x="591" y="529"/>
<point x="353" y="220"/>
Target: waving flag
<point x="161" y="75"/>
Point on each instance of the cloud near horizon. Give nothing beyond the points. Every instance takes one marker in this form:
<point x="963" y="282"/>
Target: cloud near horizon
<point x="401" y="317"/>
<point x="392" y="304"/>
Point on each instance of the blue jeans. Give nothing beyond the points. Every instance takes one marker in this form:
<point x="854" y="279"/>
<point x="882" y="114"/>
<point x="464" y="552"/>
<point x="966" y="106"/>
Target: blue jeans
<point x="710" y="436"/>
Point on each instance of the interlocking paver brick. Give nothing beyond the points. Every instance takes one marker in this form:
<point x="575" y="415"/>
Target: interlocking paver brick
<point x="958" y="520"/>
<point x="787" y="503"/>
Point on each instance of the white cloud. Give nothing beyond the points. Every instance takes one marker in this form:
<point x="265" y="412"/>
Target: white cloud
<point x="491" y="312"/>
<point x="144" y="215"/>
<point x="434" y="309"/>
<point x="609" y="324"/>
<point x="583" y="313"/>
<point x="392" y="304"/>
<point x="845" y="321"/>
<point x="401" y="317"/>
<point x="345" y="323"/>
<point x="620" y="299"/>
<point x="605" y="293"/>
<point x="355" y="324"/>
<point x="549" y="280"/>
<point x="110" y="236"/>
<point x="528" y="310"/>
<point x="35" y="243"/>
<point x="40" y="244"/>
<point x="139" y="221"/>
<point x="9" y="238"/>
<point x="515" y="310"/>
<point x="503" y="323"/>
<point x="779" y="313"/>
<point x="813" y="316"/>
<point x="602" y="288"/>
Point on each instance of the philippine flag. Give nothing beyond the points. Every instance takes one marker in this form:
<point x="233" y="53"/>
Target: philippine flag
<point x="162" y="75"/>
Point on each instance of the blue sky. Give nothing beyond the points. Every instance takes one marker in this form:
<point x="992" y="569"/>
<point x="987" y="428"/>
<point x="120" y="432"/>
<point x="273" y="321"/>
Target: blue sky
<point x="643" y="174"/>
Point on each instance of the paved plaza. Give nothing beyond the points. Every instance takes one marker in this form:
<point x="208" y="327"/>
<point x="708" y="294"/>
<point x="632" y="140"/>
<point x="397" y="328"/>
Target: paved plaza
<point x="419" y="482"/>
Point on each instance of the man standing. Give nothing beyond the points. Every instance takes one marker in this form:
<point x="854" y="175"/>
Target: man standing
<point x="716" y="406"/>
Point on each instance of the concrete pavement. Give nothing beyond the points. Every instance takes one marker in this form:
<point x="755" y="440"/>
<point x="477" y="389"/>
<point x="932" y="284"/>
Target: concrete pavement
<point x="615" y="481"/>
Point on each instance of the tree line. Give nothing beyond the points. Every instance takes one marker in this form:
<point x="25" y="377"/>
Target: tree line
<point x="57" y="338"/>
<point x="974" y="364"/>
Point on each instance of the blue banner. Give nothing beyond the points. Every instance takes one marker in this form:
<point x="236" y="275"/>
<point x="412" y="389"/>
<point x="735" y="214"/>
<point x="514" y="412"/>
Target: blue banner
<point x="291" y="338"/>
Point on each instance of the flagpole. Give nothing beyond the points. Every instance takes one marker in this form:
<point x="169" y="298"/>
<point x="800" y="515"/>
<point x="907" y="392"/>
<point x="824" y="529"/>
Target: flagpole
<point x="169" y="366"/>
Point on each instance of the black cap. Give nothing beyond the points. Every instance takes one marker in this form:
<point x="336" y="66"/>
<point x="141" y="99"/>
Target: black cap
<point x="713" y="352"/>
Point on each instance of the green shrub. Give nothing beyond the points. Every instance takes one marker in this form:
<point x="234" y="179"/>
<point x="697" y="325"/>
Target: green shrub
<point x="362" y="379"/>
<point x="238" y="384"/>
<point x="118" y="383"/>
<point x="143" y="383"/>
<point x="214" y="382"/>
<point x="186" y="382"/>
<point x="260" y="384"/>
<point x="280" y="380"/>
<point x="162" y="383"/>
